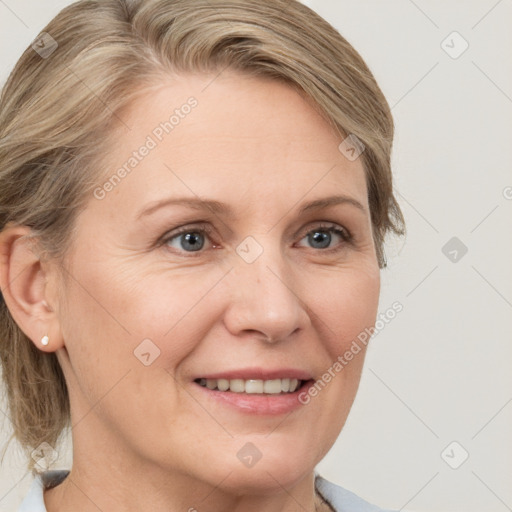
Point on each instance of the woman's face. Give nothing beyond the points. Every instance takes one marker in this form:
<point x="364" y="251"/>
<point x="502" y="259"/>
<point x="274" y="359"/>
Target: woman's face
<point x="213" y="257"/>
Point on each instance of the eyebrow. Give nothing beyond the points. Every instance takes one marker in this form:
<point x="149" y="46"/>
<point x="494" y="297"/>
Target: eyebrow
<point x="331" y="201"/>
<point x="224" y="209"/>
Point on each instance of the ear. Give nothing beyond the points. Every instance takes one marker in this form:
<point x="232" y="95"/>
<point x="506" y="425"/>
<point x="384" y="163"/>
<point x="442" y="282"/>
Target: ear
<point x="28" y="287"/>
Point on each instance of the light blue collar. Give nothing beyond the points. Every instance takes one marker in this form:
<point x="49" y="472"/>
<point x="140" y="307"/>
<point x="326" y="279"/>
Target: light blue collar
<point x="338" y="498"/>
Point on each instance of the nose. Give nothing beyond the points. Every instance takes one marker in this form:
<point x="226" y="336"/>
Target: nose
<point x="263" y="301"/>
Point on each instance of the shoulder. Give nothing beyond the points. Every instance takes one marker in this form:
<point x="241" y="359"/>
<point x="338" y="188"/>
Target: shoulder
<point x="34" y="500"/>
<point x="341" y="499"/>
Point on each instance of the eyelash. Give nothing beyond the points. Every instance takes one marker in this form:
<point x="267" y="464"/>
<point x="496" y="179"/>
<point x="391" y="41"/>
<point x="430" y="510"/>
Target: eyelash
<point x="343" y="233"/>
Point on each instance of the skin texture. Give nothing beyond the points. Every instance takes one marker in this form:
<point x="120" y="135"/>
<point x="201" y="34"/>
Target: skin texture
<point x="145" y="437"/>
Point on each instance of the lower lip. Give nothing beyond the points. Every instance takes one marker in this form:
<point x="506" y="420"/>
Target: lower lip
<point x="257" y="403"/>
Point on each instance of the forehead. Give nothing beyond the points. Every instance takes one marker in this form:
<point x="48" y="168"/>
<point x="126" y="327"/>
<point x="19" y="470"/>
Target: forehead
<point x="234" y="137"/>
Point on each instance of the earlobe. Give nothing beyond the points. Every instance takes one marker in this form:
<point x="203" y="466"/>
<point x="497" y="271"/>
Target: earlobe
<point x="23" y="281"/>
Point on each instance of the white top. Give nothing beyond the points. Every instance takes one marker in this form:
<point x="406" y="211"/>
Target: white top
<point x="340" y="499"/>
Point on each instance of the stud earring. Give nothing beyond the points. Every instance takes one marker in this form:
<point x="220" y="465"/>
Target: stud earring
<point x="45" y="340"/>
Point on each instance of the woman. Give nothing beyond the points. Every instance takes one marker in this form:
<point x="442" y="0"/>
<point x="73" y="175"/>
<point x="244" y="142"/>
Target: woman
<point x="194" y="199"/>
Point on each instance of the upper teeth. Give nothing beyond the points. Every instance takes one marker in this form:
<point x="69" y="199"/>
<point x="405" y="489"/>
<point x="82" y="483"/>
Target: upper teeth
<point x="273" y="386"/>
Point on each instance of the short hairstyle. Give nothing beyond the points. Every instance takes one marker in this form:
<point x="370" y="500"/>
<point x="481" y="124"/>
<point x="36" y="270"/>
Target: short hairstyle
<point x="58" y="108"/>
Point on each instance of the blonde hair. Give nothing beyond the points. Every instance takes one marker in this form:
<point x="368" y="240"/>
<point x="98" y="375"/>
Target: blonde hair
<point x="58" y="107"/>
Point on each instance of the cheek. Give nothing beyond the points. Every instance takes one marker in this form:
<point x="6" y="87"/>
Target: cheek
<point x="347" y="305"/>
<point x="344" y="306"/>
<point x="111" y="310"/>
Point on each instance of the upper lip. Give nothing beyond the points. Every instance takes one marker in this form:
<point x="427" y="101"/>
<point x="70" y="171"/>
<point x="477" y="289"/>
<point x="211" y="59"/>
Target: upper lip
<point x="259" y="374"/>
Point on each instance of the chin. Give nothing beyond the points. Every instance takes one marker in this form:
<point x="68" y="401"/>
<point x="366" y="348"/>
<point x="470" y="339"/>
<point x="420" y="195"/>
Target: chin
<point x="265" y="479"/>
<point x="263" y="466"/>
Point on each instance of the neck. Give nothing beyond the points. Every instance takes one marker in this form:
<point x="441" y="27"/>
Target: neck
<point x="105" y="477"/>
<point x="107" y="491"/>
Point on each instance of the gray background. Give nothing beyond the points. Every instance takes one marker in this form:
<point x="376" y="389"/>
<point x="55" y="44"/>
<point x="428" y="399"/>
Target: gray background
<point x="440" y="371"/>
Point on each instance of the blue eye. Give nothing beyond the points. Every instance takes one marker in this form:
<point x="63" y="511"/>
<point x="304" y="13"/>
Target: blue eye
<point x="188" y="240"/>
<point x="193" y="239"/>
<point x="322" y="236"/>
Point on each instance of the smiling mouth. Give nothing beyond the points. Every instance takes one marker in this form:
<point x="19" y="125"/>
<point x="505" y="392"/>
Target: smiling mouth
<point x="253" y="386"/>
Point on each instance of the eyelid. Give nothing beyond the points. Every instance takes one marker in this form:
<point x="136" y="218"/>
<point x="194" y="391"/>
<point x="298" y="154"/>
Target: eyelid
<point x="201" y="228"/>
<point x="206" y="228"/>
<point x="324" y="225"/>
